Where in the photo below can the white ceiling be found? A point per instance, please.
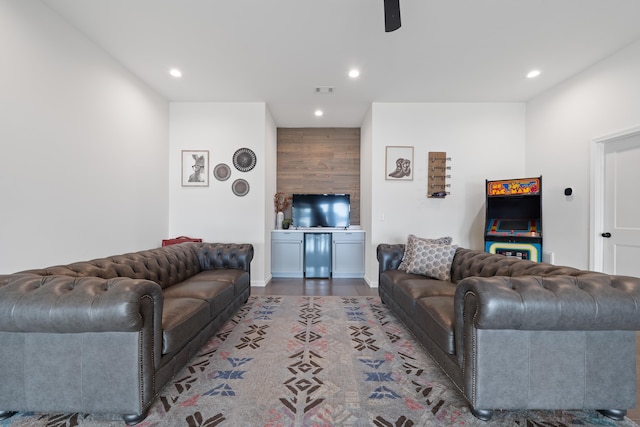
(278, 51)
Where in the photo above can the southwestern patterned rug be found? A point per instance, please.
(314, 361)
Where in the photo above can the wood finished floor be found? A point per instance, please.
(358, 287)
(316, 287)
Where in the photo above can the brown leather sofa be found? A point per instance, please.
(514, 334)
(104, 336)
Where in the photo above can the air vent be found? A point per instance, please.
(325, 90)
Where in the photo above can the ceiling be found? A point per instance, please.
(279, 51)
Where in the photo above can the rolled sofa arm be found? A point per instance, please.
(64, 304)
(225, 255)
(556, 303)
(389, 256)
(588, 302)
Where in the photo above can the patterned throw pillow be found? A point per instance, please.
(408, 249)
(432, 260)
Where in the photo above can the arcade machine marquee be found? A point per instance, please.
(514, 218)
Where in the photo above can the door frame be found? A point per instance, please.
(596, 221)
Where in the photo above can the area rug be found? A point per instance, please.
(314, 361)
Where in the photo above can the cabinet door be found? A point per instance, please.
(287, 254)
(348, 255)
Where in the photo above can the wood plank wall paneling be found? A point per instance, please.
(320, 160)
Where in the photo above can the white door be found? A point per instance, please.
(621, 210)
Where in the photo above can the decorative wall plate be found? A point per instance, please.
(244, 159)
(240, 187)
(222, 172)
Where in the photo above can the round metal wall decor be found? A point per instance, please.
(244, 159)
(222, 172)
(240, 187)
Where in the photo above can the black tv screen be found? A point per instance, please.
(321, 210)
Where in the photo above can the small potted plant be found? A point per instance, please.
(286, 223)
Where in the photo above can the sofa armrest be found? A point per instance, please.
(587, 302)
(64, 304)
(225, 255)
(506, 328)
(389, 256)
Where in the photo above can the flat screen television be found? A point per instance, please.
(321, 210)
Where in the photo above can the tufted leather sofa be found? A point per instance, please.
(514, 334)
(104, 336)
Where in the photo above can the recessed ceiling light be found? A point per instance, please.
(175, 72)
(533, 74)
(354, 73)
(318, 113)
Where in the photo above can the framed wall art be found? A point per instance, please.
(399, 163)
(195, 168)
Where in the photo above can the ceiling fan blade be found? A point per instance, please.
(391, 15)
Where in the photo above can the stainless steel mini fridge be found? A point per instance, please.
(317, 255)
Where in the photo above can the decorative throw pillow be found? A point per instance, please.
(432, 260)
(408, 248)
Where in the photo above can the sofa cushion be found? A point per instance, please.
(407, 258)
(239, 278)
(433, 260)
(182, 318)
(389, 280)
(435, 315)
(217, 294)
(408, 291)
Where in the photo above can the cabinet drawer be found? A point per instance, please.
(348, 237)
(290, 236)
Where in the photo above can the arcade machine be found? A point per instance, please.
(514, 218)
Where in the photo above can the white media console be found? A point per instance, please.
(347, 252)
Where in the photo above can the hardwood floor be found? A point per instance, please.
(316, 287)
(358, 287)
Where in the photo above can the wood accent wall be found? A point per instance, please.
(320, 160)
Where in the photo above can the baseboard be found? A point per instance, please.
(261, 283)
(371, 283)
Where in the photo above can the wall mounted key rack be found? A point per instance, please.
(437, 173)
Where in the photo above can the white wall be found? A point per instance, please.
(85, 171)
(215, 213)
(366, 220)
(484, 141)
(83, 154)
(561, 125)
(270, 180)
